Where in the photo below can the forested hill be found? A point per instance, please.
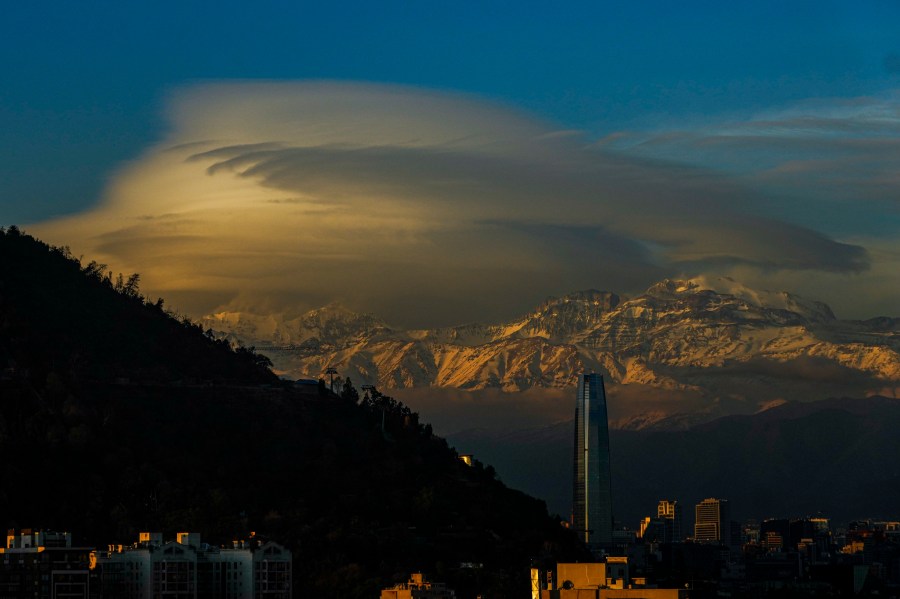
(359, 489)
(84, 325)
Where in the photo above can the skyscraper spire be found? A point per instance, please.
(592, 489)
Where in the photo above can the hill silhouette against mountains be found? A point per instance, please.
(82, 324)
(116, 417)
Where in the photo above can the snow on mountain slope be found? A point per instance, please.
(714, 336)
(330, 326)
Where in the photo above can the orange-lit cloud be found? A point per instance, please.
(428, 208)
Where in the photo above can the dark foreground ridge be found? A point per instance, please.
(116, 417)
(77, 323)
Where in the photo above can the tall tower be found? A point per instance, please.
(592, 489)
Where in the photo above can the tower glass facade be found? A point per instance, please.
(592, 489)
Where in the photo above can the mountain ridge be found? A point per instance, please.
(705, 335)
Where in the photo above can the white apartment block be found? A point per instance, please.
(186, 568)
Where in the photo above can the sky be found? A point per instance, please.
(438, 163)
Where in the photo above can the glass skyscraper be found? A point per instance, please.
(592, 492)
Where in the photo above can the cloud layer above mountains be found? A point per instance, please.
(432, 208)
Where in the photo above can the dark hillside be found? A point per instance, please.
(81, 325)
(362, 493)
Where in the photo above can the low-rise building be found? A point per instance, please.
(597, 580)
(417, 587)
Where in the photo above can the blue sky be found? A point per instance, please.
(88, 89)
(84, 80)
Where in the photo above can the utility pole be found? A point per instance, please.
(331, 371)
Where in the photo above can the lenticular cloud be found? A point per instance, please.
(426, 207)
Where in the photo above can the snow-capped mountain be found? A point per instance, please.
(711, 336)
(320, 329)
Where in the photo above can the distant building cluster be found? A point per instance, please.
(719, 556)
(799, 557)
(45, 565)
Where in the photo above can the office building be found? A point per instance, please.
(669, 513)
(665, 527)
(592, 493)
(713, 523)
(647, 529)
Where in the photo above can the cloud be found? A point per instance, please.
(828, 164)
(832, 149)
(428, 208)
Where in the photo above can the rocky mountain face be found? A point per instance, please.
(711, 338)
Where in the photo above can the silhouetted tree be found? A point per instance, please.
(349, 392)
(132, 285)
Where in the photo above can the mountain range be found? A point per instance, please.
(683, 351)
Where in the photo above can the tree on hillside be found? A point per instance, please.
(349, 392)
